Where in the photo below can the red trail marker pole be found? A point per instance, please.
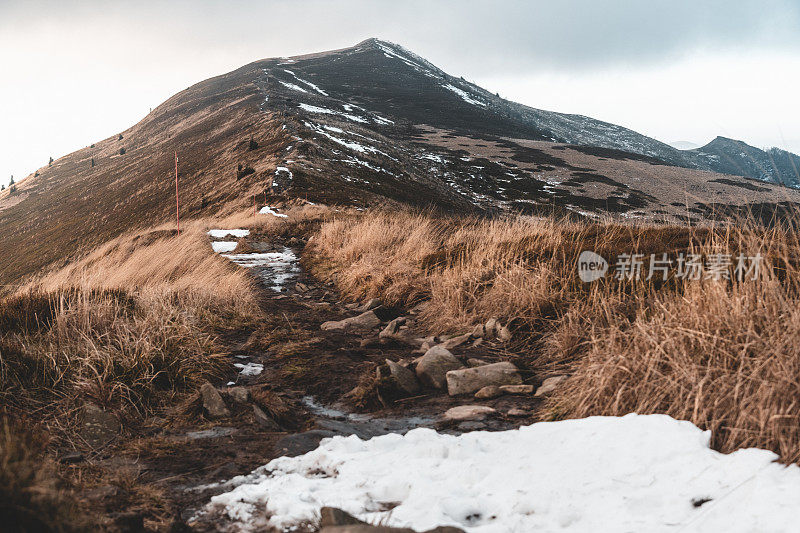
(177, 202)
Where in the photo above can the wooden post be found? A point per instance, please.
(177, 202)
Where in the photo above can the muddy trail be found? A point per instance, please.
(297, 381)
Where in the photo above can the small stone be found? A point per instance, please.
(71, 458)
(478, 331)
(515, 412)
(405, 379)
(301, 287)
(472, 361)
(503, 333)
(489, 328)
(366, 320)
(212, 402)
(263, 419)
(489, 392)
(370, 304)
(351, 306)
(470, 380)
(517, 389)
(468, 412)
(434, 365)
(454, 342)
(549, 385)
(392, 328)
(239, 394)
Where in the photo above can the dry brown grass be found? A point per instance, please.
(721, 354)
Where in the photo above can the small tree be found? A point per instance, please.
(122, 151)
(93, 162)
(50, 163)
(12, 181)
(120, 137)
(2, 187)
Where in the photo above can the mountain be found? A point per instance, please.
(366, 125)
(730, 156)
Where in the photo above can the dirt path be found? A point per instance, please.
(291, 391)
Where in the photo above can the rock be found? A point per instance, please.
(392, 328)
(213, 404)
(239, 394)
(300, 443)
(489, 392)
(517, 389)
(434, 365)
(453, 342)
(71, 458)
(366, 320)
(470, 380)
(301, 287)
(503, 333)
(351, 306)
(213, 433)
(264, 420)
(489, 328)
(331, 516)
(370, 304)
(476, 362)
(477, 342)
(478, 331)
(403, 377)
(343, 428)
(549, 385)
(468, 412)
(99, 427)
(515, 412)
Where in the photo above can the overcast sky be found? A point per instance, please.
(74, 72)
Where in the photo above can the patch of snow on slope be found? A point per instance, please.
(326, 111)
(352, 145)
(249, 369)
(222, 233)
(612, 474)
(267, 210)
(223, 247)
(464, 95)
(292, 86)
(308, 83)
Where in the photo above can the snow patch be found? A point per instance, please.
(249, 369)
(292, 86)
(612, 474)
(222, 233)
(267, 210)
(223, 247)
(464, 95)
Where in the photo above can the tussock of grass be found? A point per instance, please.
(721, 354)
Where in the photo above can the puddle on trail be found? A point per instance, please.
(275, 269)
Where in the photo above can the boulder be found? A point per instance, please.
(468, 412)
(503, 333)
(392, 328)
(366, 320)
(472, 361)
(470, 380)
(487, 393)
(549, 385)
(403, 377)
(489, 327)
(213, 404)
(370, 304)
(239, 394)
(517, 389)
(515, 412)
(434, 365)
(453, 342)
